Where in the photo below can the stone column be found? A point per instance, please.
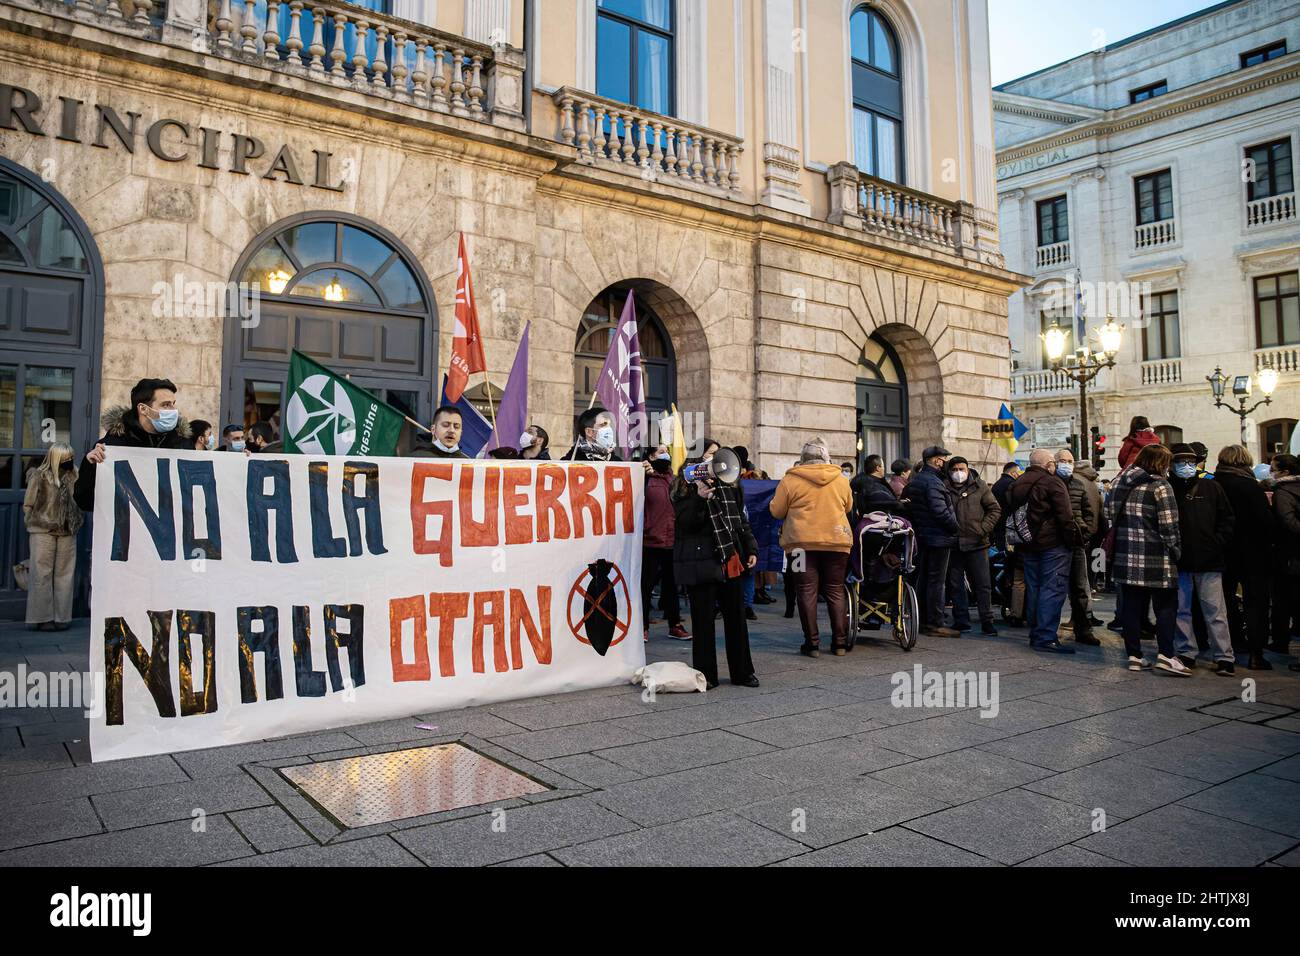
(187, 25)
(782, 156)
(845, 207)
(506, 88)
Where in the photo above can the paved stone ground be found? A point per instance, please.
(816, 767)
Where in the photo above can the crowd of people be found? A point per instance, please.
(1213, 555)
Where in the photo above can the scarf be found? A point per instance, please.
(726, 518)
(594, 450)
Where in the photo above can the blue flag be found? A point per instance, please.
(758, 498)
(475, 429)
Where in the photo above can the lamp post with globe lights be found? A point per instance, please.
(1241, 391)
(1083, 364)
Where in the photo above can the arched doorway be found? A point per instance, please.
(882, 403)
(1169, 434)
(658, 360)
(51, 327)
(344, 291)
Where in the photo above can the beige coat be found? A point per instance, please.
(48, 507)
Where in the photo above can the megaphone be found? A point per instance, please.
(723, 467)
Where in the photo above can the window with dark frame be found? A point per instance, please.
(1154, 197)
(1160, 338)
(635, 53)
(1053, 221)
(1145, 93)
(1263, 54)
(1277, 310)
(1269, 171)
(877, 73)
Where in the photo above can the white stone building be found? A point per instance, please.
(1160, 172)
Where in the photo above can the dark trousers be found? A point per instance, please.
(787, 579)
(657, 568)
(1080, 593)
(1136, 601)
(1047, 578)
(932, 582)
(1248, 613)
(972, 566)
(824, 573)
(1286, 608)
(704, 651)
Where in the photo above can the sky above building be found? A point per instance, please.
(1028, 35)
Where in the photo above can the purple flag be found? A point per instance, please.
(512, 416)
(620, 388)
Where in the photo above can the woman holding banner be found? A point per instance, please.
(712, 547)
(53, 520)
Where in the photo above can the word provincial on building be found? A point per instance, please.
(171, 140)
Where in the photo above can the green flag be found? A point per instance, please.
(328, 415)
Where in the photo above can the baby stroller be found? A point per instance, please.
(884, 548)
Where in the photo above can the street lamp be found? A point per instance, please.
(1083, 364)
(1241, 391)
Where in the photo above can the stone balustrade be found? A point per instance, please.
(1162, 372)
(1039, 382)
(888, 209)
(1271, 210)
(1055, 254)
(1285, 359)
(339, 44)
(655, 147)
(1152, 234)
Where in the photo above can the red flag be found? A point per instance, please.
(466, 343)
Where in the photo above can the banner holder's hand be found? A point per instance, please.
(98, 454)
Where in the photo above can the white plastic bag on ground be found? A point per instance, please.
(670, 677)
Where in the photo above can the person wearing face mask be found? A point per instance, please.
(201, 432)
(262, 440)
(150, 421)
(933, 514)
(1205, 525)
(1085, 504)
(232, 438)
(596, 439)
(978, 513)
(535, 444)
(445, 443)
(1286, 583)
(657, 546)
(52, 519)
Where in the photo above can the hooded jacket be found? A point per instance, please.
(659, 518)
(1254, 527)
(122, 427)
(932, 509)
(1205, 523)
(48, 505)
(814, 501)
(1128, 451)
(1051, 520)
(978, 513)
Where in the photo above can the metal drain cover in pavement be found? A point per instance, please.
(380, 788)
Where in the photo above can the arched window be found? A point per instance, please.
(1275, 436)
(1169, 434)
(343, 291)
(882, 403)
(635, 53)
(877, 95)
(658, 363)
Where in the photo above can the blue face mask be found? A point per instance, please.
(237, 445)
(1185, 469)
(1065, 470)
(605, 437)
(167, 419)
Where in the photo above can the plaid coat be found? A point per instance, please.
(1144, 512)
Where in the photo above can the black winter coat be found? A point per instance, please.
(122, 427)
(932, 509)
(873, 494)
(695, 553)
(1000, 489)
(1205, 523)
(1254, 528)
(1286, 509)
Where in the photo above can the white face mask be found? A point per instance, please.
(605, 437)
(526, 440)
(959, 477)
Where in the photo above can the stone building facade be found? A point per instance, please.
(335, 154)
(1162, 168)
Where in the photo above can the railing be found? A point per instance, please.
(1284, 358)
(1151, 234)
(1271, 210)
(1053, 255)
(1162, 372)
(345, 46)
(1041, 382)
(891, 210)
(650, 145)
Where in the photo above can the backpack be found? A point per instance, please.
(1018, 530)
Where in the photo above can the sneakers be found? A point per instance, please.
(678, 632)
(1225, 668)
(1188, 662)
(810, 650)
(1052, 647)
(1138, 664)
(1171, 666)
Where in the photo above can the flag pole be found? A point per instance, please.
(492, 412)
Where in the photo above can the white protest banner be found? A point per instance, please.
(237, 598)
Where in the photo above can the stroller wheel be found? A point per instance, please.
(908, 619)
